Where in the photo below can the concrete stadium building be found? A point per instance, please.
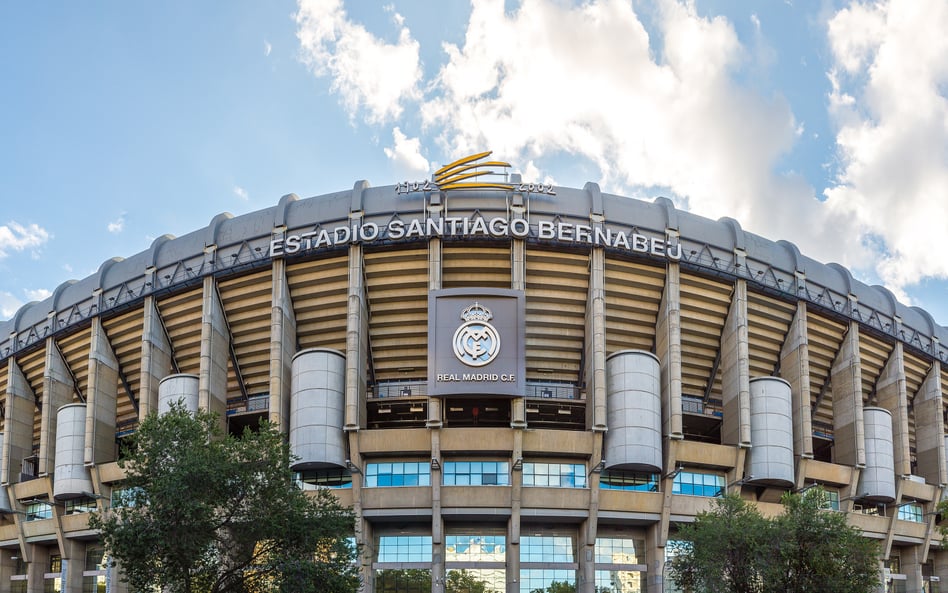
(523, 382)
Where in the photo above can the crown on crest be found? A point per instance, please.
(476, 312)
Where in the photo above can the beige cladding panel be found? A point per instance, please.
(215, 342)
(101, 399)
(18, 424)
(58, 390)
(847, 403)
(891, 395)
(156, 356)
(668, 349)
(735, 375)
(930, 429)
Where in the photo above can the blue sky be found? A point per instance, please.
(821, 123)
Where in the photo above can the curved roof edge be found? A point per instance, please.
(713, 245)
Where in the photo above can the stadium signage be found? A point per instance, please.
(474, 227)
(476, 342)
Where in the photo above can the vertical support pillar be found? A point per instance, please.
(282, 346)
(157, 357)
(846, 378)
(435, 278)
(595, 371)
(940, 565)
(668, 350)
(58, 387)
(891, 395)
(518, 281)
(36, 569)
(215, 352)
(930, 429)
(735, 371)
(17, 426)
(73, 564)
(102, 398)
(795, 369)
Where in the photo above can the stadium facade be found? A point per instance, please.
(510, 382)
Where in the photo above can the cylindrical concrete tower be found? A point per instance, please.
(317, 407)
(770, 459)
(634, 412)
(71, 478)
(182, 387)
(877, 480)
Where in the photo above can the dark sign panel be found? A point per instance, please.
(476, 342)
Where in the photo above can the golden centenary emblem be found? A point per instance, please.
(476, 342)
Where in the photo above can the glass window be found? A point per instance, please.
(555, 475)
(547, 548)
(404, 548)
(620, 550)
(125, 497)
(93, 584)
(694, 483)
(625, 480)
(398, 473)
(620, 581)
(547, 579)
(403, 580)
(96, 558)
(475, 548)
(323, 478)
(911, 512)
(487, 580)
(831, 500)
(476, 473)
(18, 586)
(80, 505)
(38, 510)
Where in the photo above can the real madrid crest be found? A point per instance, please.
(476, 341)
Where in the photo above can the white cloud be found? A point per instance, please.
(407, 157)
(8, 305)
(37, 294)
(117, 225)
(366, 72)
(267, 48)
(16, 237)
(663, 111)
(890, 108)
(241, 193)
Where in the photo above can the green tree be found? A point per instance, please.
(206, 512)
(807, 549)
(722, 551)
(816, 551)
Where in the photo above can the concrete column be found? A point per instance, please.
(215, 353)
(356, 340)
(36, 569)
(846, 379)
(74, 563)
(590, 529)
(891, 395)
(102, 397)
(668, 350)
(282, 347)
(435, 282)
(735, 371)
(58, 388)
(157, 357)
(795, 369)
(940, 564)
(912, 567)
(518, 281)
(930, 429)
(17, 426)
(595, 371)
(513, 528)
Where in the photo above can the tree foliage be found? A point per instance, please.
(806, 549)
(205, 512)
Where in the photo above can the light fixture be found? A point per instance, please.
(533, 410)
(453, 409)
(673, 474)
(805, 488)
(385, 410)
(564, 411)
(855, 497)
(416, 408)
(94, 496)
(518, 465)
(435, 464)
(598, 467)
(352, 467)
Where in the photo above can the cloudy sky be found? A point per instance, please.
(822, 123)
